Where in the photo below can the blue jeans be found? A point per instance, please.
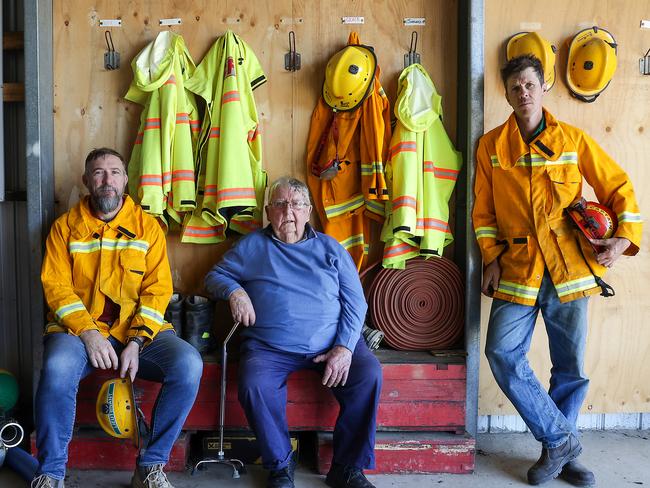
(168, 360)
(551, 416)
(263, 373)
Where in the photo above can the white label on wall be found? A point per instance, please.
(414, 20)
(645, 24)
(176, 21)
(352, 20)
(530, 26)
(110, 23)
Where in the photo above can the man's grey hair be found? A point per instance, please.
(292, 184)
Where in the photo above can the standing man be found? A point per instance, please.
(107, 283)
(298, 293)
(528, 171)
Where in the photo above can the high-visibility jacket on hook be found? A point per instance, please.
(231, 179)
(161, 169)
(421, 173)
(521, 192)
(355, 196)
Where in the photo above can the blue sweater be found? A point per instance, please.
(307, 296)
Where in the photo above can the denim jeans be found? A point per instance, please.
(551, 416)
(168, 360)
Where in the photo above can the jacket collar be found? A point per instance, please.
(549, 144)
(83, 223)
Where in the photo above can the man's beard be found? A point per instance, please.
(105, 203)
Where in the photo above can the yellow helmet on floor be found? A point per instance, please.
(591, 63)
(532, 43)
(116, 410)
(348, 77)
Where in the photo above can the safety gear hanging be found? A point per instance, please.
(591, 63)
(348, 77)
(117, 411)
(532, 43)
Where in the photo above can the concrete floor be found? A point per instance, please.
(619, 459)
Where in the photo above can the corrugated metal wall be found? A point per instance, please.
(15, 287)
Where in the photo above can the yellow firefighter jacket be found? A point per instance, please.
(421, 173)
(358, 191)
(161, 168)
(521, 191)
(125, 259)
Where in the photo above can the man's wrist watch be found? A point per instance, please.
(138, 340)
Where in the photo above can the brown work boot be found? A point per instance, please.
(578, 475)
(553, 460)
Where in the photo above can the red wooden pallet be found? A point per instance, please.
(424, 396)
(94, 449)
(411, 452)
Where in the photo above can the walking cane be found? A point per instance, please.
(235, 464)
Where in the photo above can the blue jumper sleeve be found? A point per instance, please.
(353, 303)
(226, 276)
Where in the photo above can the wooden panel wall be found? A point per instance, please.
(90, 111)
(619, 336)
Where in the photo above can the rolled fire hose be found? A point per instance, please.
(420, 307)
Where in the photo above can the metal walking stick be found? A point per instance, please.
(235, 464)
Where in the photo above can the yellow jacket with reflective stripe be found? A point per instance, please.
(358, 191)
(421, 173)
(521, 191)
(161, 168)
(125, 259)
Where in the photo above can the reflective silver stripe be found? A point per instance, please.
(152, 314)
(629, 217)
(483, 232)
(352, 241)
(575, 286)
(84, 246)
(66, 310)
(517, 290)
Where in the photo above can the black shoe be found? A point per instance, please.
(342, 476)
(578, 475)
(283, 478)
(553, 460)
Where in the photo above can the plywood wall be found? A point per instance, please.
(619, 336)
(90, 111)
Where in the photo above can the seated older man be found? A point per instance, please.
(299, 294)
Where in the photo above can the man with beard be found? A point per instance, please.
(107, 283)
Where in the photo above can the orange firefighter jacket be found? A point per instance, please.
(521, 191)
(358, 191)
(87, 260)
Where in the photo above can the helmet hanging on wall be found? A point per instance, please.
(591, 63)
(532, 43)
(348, 77)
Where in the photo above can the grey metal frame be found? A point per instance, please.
(2, 118)
(40, 152)
(471, 66)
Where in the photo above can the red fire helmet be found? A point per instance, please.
(596, 221)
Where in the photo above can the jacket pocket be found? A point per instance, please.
(517, 260)
(133, 268)
(564, 187)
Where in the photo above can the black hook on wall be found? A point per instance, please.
(292, 58)
(111, 56)
(412, 56)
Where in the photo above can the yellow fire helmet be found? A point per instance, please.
(117, 412)
(591, 63)
(532, 43)
(348, 77)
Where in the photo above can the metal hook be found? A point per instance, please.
(644, 64)
(110, 47)
(292, 58)
(412, 56)
(111, 57)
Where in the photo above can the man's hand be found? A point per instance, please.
(611, 249)
(337, 365)
(491, 277)
(99, 350)
(130, 359)
(241, 307)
